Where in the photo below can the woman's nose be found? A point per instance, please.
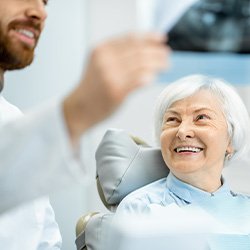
(36, 10)
(185, 131)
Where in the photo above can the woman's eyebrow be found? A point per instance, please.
(171, 111)
(196, 110)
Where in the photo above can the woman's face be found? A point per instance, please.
(194, 135)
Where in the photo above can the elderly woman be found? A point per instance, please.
(201, 125)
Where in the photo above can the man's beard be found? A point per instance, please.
(13, 56)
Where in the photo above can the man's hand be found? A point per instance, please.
(115, 68)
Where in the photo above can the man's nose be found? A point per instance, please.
(36, 10)
(185, 130)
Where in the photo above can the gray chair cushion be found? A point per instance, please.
(123, 166)
(97, 231)
(94, 234)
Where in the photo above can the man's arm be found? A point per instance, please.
(36, 150)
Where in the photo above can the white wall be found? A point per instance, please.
(110, 17)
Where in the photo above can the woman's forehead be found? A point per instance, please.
(202, 99)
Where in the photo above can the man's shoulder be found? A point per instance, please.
(9, 108)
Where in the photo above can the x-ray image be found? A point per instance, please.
(213, 25)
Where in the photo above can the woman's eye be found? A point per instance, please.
(171, 119)
(202, 117)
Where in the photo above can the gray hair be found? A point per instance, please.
(236, 114)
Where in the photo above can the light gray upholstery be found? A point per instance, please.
(82, 222)
(122, 166)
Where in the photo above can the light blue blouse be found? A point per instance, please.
(225, 206)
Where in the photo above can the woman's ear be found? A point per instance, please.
(230, 149)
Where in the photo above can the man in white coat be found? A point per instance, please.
(38, 151)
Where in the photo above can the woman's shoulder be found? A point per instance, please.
(151, 193)
(241, 196)
(153, 188)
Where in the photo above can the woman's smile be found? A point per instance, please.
(194, 134)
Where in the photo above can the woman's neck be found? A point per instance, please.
(207, 183)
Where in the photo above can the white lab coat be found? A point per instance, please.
(31, 226)
(35, 155)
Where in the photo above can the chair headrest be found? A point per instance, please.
(124, 166)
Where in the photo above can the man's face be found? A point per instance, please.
(21, 23)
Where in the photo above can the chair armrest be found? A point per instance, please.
(80, 230)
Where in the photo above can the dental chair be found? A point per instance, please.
(123, 164)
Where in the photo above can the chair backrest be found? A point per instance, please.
(123, 164)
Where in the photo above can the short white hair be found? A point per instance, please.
(236, 114)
